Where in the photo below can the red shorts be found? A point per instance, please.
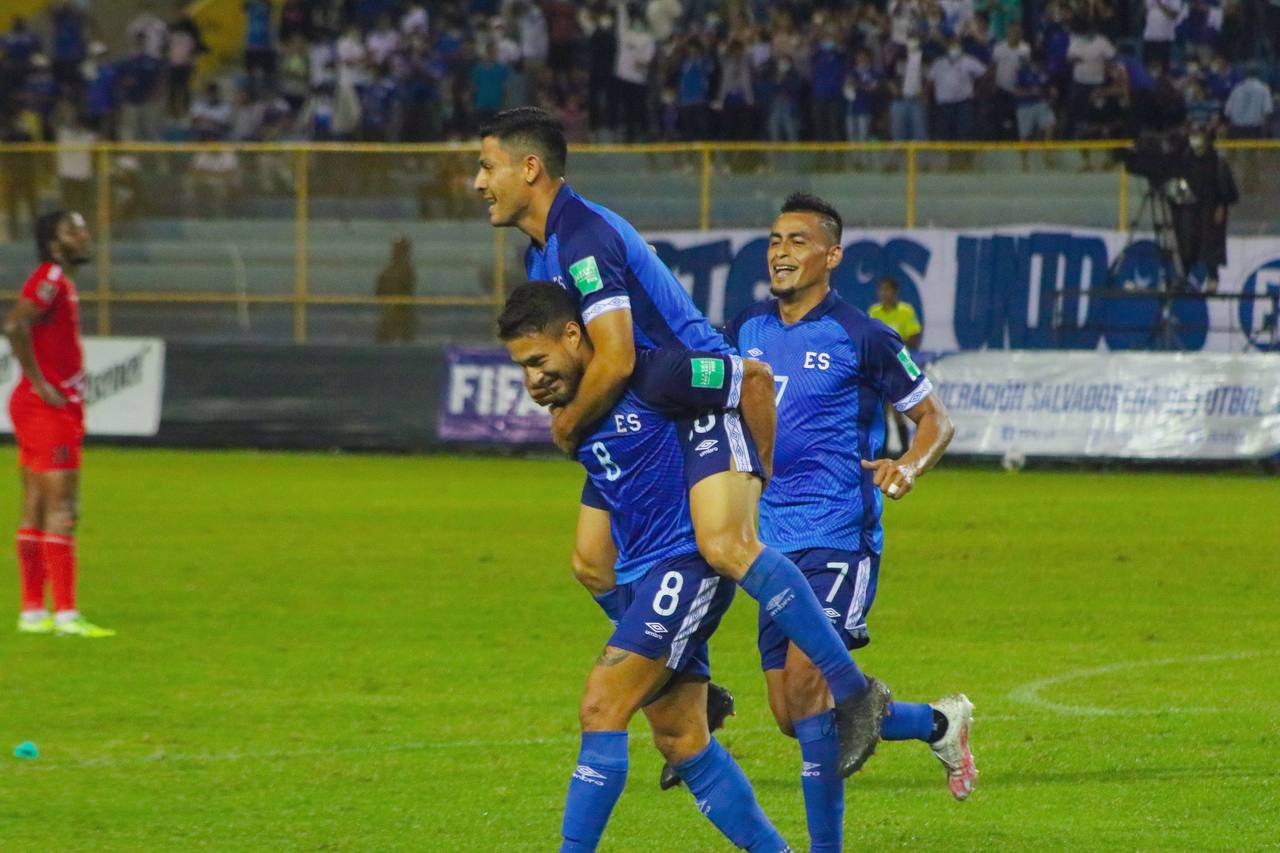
(49, 439)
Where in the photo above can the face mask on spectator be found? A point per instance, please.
(953, 52)
(1197, 143)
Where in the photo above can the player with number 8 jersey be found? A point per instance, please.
(670, 600)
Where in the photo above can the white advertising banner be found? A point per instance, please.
(123, 387)
(1124, 405)
(1017, 287)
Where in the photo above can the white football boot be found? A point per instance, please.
(952, 749)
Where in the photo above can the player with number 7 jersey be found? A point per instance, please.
(670, 600)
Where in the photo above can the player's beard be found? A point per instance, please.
(790, 293)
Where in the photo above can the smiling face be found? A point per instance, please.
(801, 254)
(553, 364)
(72, 244)
(505, 182)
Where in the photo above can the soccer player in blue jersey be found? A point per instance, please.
(669, 599)
(630, 302)
(835, 370)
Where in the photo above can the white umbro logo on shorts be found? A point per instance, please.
(833, 614)
(656, 626)
(755, 353)
(707, 446)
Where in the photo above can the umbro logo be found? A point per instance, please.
(831, 614)
(811, 769)
(706, 447)
(779, 602)
(755, 353)
(704, 806)
(588, 774)
(656, 626)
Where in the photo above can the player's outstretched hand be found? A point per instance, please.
(50, 394)
(892, 477)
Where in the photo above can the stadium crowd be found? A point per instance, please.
(640, 70)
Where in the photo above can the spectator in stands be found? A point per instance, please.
(534, 40)
(782, 92)
(735, 99)
(69, 45)
(861, 94)
(294, 21)
(907, 117)
(488, 80)
(1163, 17)
(246, 116)
(1008, 57)
(827, 70)
(952, 77)
(1033, 90)
(382, 42)
(19, 45)
(693, 90)
(18, 179)
(259, 44)
(101, 102)
(140, 110)
(148, 27)
(210, 114)
(185, 45)
(602, 54)
(1249, 106)
(635, 55)
(295, 72)
(1088, 52)
(398, 323)
(562, 35)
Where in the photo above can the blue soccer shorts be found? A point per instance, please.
(671, 612)
(845, 584)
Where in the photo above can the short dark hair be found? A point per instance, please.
(535, 128)
(809, 203)
(46, 232)
(535, 306)
(889, 280)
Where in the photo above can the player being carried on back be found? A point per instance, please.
(836, 369)
(47, 411)
(669, 600)
(629, 301)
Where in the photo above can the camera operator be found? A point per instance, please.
(1200, 215)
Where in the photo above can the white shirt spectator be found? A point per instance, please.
(953, 78)
(1161, 25)
(636, 49)
(381, 44)
(154, 33)
(1249, 104)
(415, 21)
(662, 16)
(904, 17)
(957, 13)
(912, 71)
(322, 60)
(1091, 54)
(352, 58)
(534, 41)
(209, 116)
(1007, 60)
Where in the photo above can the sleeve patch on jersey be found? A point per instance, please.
(904, 358)
(707, 373)
(586, 275)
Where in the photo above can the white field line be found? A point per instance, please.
(1029, 693)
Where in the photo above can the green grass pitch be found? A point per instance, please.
(375, 653)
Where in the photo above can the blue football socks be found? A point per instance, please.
(724, 795)
(907, 721)
(823, 788)
(593, 790)
(782, 590)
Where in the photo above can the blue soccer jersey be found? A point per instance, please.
(635, 467)
(834, 371)
(602, 260)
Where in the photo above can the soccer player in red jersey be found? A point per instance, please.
(47, 410)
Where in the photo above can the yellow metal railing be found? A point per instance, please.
(308, 164)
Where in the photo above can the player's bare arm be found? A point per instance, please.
(17, 328)
(896, 477)
(759, 409)
(603, 382)
(594, 552)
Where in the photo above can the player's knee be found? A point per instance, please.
(600, 713)
(781, 715)
(61, 518)
(678, 747)
(728, 552)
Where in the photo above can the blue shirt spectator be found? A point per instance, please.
(694, 85)
(828, 71)
(257, 33)
(488, 77)
(139, 77)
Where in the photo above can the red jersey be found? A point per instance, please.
(55, 338)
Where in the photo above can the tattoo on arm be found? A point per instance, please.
(612, 657)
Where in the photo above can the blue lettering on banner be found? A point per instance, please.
(1258, 316)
